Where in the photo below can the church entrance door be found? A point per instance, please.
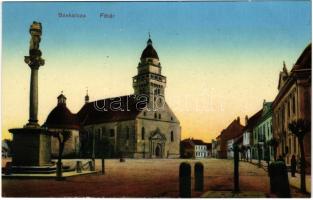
(158, 151)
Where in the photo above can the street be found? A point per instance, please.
(139, 178)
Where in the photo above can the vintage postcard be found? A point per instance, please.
(177, 99)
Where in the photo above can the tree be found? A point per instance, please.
(300, 128)
(10, 145)
(63, 136)
(274, 143)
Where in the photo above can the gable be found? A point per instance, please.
(283, 77)
(157, 135)
(166, 114)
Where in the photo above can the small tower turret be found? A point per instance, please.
(87, 97)
(61, 99)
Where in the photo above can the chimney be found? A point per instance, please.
(246, 120)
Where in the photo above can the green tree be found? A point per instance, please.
(63, 136)
(300, 128)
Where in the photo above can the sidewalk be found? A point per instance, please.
(293, 181)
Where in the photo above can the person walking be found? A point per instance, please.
(293, 165)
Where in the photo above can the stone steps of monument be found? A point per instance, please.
(35, 169)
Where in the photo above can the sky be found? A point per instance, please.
(221, 59)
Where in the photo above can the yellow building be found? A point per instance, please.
(293, 102)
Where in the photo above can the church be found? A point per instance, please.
(139, 125)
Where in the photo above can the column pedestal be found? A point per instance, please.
(31, 150)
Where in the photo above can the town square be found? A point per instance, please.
(181, 103)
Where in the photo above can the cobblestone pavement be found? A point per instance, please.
(139, 178)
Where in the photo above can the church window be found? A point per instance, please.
(171, 118)
(112, 133)
(172, 136)
(294, 104)
(159, 116)
(155, 115)
(97, 134)
(100, 133)
(142, 133)
(103, 131)
(127, 133)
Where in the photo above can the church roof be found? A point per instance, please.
(61, 117)
(149, 51)
(110, 110)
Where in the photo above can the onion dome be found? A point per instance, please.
(149, 51)
(61, 117)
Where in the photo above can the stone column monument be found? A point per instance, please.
(32, 143)
(34, 61)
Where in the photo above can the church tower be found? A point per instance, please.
(149, 80)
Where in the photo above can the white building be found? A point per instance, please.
(247, 141)
(230, 152)
(201, 151)
(196, 148)
(265, 132)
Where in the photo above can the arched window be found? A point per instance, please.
(127, 133)
(159, 116)
(155, 115)
(172, 136)
(143, 133)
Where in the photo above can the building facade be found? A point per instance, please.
(140, 125)
(263, 134)
(193, 148)
(214, 148)
(233, 130)
(62, 119)
(293, 102)
(248, 139)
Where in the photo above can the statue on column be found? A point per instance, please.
(34, 59)
(35, 32)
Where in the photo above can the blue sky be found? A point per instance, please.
(231, 48)
(221, 25)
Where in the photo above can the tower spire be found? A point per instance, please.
(149, 42)
(87, 96)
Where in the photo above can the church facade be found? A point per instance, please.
(140, 125)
